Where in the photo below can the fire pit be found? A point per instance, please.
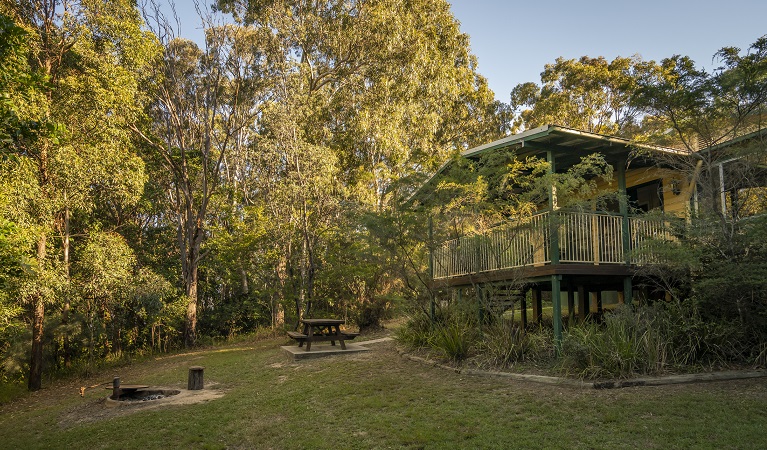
(145, 395)
(137, 392)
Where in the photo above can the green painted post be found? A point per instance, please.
(628, 291)
(624, 211)
(430, 224)
(553, 217)
(552, 190)
(556, 300)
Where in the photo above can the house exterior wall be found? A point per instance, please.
(673, 203)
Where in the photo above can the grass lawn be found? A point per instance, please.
(379, 400)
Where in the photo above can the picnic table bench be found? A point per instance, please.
(322, 330)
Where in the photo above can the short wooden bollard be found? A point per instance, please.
(195, 382)
(116, 392)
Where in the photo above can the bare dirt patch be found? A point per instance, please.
(103, 409)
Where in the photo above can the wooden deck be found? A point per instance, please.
(549, 243)
(589, 273)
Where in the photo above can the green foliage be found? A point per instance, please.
(653, 340)
(504, 344)
(702, 108)
(454, 340)
(453, 335)
(20, 91)
(588, 94)
(416, 332)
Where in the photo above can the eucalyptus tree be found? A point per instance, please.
(692, 109)
(590, 94)
(89, 55)
(102, 277)
(368, 93)
(696, 110)
(706, 108)
(205, 106)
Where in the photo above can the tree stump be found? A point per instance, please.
(195, 382)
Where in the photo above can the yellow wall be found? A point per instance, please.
(672, 203)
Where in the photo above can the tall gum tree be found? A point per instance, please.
(692, 109)
(717, 260)
(590, 94)
(368, 93)
(90, 54)
(205, 106)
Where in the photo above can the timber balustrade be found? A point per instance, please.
(583, 237)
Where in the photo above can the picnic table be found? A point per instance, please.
(322, 330)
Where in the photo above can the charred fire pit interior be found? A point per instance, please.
(138, 393)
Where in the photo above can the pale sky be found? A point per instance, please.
(513, 40)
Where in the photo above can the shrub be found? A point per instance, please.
(416, 332)
(505, 343)
(631, 341)
(454, 339)
(651, 340)
(370, 314)
(451, 333)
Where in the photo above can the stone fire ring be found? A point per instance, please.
(171, 396)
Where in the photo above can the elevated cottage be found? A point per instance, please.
(580, 259)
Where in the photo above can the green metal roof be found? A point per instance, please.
(568, 144)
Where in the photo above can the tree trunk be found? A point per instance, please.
(190, 330)
(65, 312)
(38, 318)
(244, 280)
(189, 250)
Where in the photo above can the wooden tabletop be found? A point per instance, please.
(323, 321)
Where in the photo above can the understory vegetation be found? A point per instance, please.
(656, 339)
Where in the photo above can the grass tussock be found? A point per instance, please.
(451, 335)
(651, 341)
(505, 344)
(639, 341)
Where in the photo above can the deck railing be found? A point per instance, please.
(582, 237)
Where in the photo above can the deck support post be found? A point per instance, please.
(523, 311)
(596, 302)
(628, 290)
(537, 305)
(583, 304)
(570, 302)
(556, 300)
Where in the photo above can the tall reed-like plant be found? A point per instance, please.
(652, 340)
(416, 332)
(454, 339)
(625, 345)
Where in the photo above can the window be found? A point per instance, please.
(646, 197)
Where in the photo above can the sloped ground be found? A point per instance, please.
(378, 399)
